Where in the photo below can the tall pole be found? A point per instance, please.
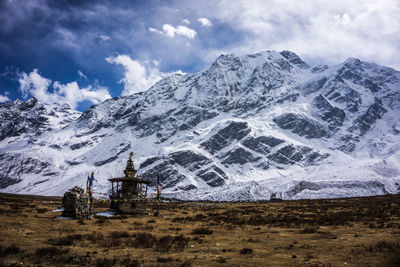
(158, 195)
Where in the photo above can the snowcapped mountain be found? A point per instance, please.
(258, 126)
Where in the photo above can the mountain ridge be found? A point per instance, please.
(249, 127)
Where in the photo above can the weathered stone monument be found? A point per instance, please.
(127, 194)
(75, 204)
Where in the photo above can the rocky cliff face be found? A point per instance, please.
(249, 127)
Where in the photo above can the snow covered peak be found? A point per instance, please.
(249, 127)
(294, 59)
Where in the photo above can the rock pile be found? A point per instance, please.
(75, 204)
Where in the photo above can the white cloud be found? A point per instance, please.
(186, 21)
(71, 93)
(33, 84)
(204, 22)
(171, 31)
(105, 37)
(4, 98)
(330, 31)
(138, 77)
(36, 85)
(82, 75)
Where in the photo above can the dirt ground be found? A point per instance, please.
(340, 232)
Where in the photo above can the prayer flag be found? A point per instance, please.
(159, 187)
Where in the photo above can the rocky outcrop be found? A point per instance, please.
(366, 120)
(235, 131)
(20, 166)
(76, 205)
(301, 125)
(295, 59)
(324, 110)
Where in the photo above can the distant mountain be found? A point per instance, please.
(258, 126)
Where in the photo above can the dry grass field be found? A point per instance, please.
(340, 232)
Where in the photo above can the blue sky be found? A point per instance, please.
(83, 52)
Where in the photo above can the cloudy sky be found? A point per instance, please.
(83, 52)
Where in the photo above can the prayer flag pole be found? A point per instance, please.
(158, 195)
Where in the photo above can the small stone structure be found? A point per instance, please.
(127, 194)
(75, 204)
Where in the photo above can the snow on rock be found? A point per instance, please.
(251, 127)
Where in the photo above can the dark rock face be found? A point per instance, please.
(189, 159)
(169, 176)
(338, 91)
(175, 120)
(371, 85)
(325, 111)
(79, 145)
(213, 176)
(148, 162)
(301, 125)
(102, 162)
(13, 172)
(193, 162)
(21, 117)
(295, 59)
(365, 121)
(313, 86)
(238, 156)
(286, 155)
(31, 118)
(319, 68)
(349, 142)
(234, 131)
(262, 144)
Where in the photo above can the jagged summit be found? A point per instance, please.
(248, 127)
(295, 59)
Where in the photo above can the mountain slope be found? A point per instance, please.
(249, 127)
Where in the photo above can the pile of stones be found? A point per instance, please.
(76, 205)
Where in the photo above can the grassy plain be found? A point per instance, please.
(339, 232)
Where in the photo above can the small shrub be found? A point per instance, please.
(41, 210)
(119, 234)
(144, 240)
(166, 243)
(180, 242)
(128, 262)
(197, 239)
(65, 240)
(202, 231)
(381, 246)
(164, 260)
(102, 220)
(186, 264)
(221, 260)
(246, 251)
(50, 251)
(309, 229)
(151, 221)
(105, 262)
(5, 251)
(95, 238)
